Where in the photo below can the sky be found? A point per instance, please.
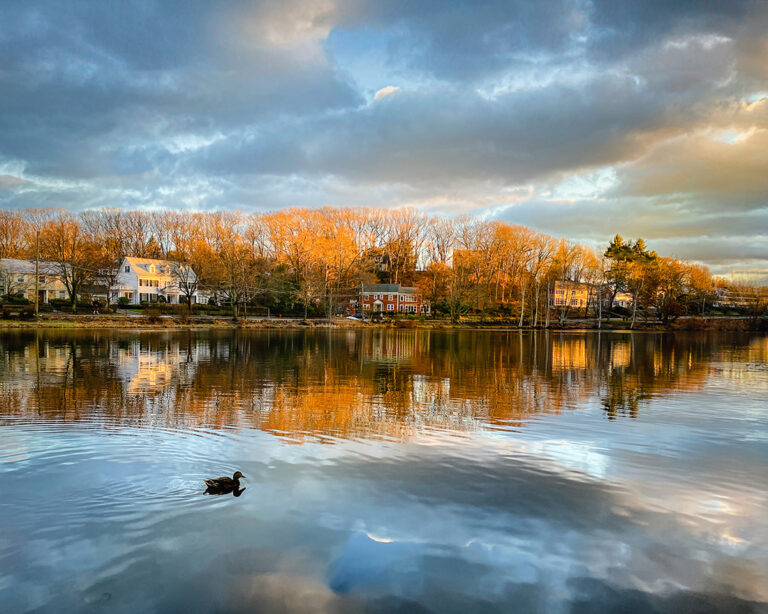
(579, 118)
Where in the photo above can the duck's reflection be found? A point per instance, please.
(235, 492)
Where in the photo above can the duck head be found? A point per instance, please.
(237, 476)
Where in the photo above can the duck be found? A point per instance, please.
(224, 484)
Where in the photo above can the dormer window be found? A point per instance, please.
(127, 268)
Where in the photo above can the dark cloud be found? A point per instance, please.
(488, 103)
(93, 89)
(622, 27)
(471, 39)
(446, 135)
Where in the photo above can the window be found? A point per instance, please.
(391, 297)
(574, 302)
(390, 307)
(127, 268)
(41, 279)
(20, 278)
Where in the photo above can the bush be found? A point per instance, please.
(123, 301)
(15, 299)
(60, 303)
(27, 312)
(182, 314)
(65, 304)
(622, 312)
(152, 315)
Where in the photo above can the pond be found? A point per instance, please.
(386, 471)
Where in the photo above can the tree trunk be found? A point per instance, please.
(634, 310)
(522, 308)
(600, 307)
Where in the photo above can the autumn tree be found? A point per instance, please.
(106, 230)
(13, 231)
(64, 241)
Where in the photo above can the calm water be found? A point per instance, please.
(387, 471)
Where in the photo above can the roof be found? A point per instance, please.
(163, 268)
(27, 267)
(94, 289)
(389, 288)
(381, 288)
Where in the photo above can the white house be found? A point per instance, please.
(148, 280)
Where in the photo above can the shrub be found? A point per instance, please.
(405, 324)
(152, 315)
(622, 312)
(123, 301)
(61, 304)
(15, 299)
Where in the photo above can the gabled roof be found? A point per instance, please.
(381, 288)
(27, 267)
(163, 269)
(389, 288)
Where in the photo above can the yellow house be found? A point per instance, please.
(572, 294)
(18, 277)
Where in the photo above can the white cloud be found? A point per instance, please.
(388, 90)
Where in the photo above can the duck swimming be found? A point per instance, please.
(224, 484)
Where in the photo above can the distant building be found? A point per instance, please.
(18, 277)
(146, 280)
(573, 294)
(622, 299)
(739, 298)
(392, 298)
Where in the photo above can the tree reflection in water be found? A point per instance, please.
(325, 384)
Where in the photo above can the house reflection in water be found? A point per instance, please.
(147, 369)
(322, 385)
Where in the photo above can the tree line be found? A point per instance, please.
(316, 260)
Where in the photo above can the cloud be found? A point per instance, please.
(614, 115)
(389, 90)
(91, 91)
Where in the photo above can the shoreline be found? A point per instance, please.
(121, 322)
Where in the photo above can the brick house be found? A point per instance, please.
(392, 298)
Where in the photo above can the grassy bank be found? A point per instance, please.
(198, 322)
